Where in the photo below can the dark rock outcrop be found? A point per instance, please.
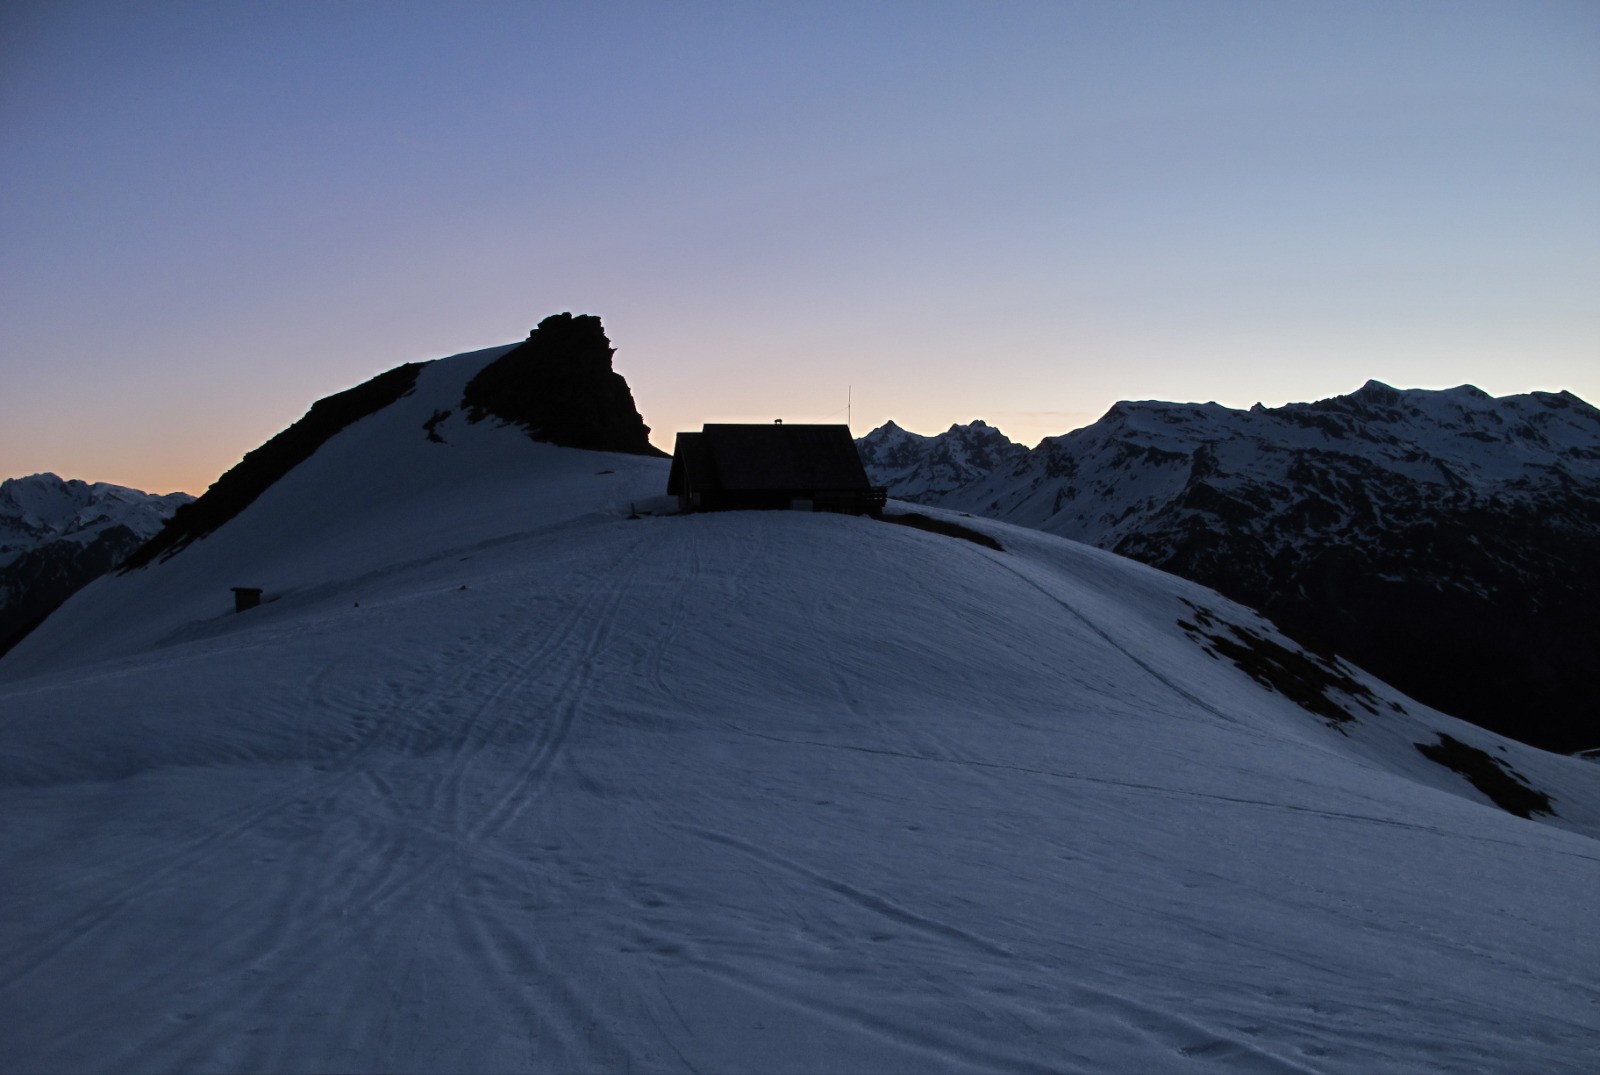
(39, 580)
(559, 386)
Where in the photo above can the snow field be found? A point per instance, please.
(504, 780)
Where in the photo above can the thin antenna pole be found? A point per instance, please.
(848, 394)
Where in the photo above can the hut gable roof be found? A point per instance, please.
(744, 458)
(691, 464)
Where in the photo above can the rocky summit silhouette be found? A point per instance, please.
(560, 387)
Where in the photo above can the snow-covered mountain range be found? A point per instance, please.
(57, 535)
(504, 775)
(923, 469)
(1443, 539)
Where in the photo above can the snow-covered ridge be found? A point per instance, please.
(43, 508)
(924, 468)
(1458, 440)
(1430, 534)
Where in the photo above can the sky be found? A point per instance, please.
(213, 214)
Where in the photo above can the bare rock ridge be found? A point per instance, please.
(559, 386)
(239, 487)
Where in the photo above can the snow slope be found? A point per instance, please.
(500, 778)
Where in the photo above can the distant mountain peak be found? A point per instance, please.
(46, 507)
(59, 534)
(924, 468)
(888, 429)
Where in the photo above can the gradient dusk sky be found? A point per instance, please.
(211, 214)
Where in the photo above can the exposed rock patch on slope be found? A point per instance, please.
(923, 469)
(1443, 540)
(1317, 682)
(1327, 688)
(1503, 785)
(560, 387)
(57, 536)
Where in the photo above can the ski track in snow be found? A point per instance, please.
(429, 845)
(1132, 657)
(871, 902)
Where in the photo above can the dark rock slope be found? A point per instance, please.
(1446, 541)
(560, 387)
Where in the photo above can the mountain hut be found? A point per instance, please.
(728, 467)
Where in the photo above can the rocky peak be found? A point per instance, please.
(559, 386)
(42, 508)
(923, 468)
(1375, 391)
(886, 434)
